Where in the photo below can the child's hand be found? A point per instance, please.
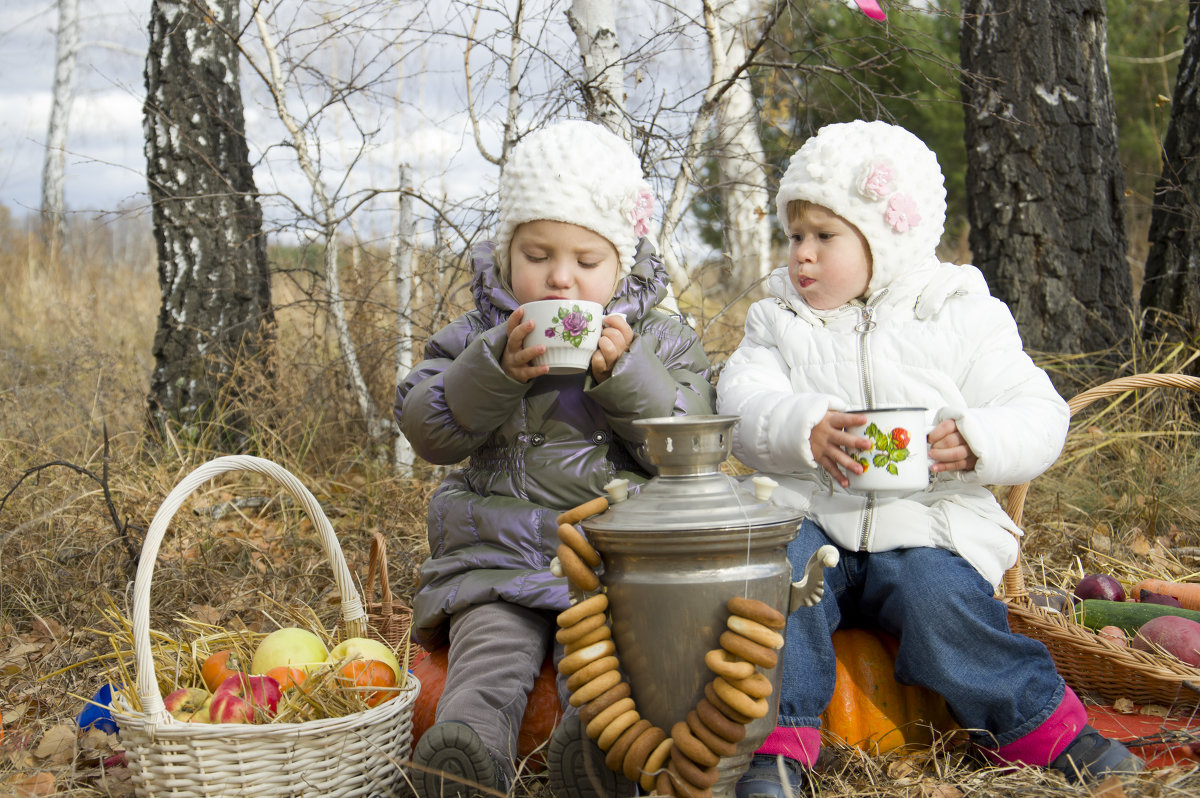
(829, 437)
(514, 360)
(615, 339)
(949, 450)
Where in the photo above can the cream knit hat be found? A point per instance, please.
(576, 172)
(880, 178)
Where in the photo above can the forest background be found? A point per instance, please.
(85, 459)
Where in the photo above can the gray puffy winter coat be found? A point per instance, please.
(534, 449)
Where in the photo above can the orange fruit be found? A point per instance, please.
(218, 667)
(288, 676)
(362, 675)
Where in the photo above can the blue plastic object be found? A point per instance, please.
(97, 713)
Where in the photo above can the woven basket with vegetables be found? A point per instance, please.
(241, 748)
(1088, 660)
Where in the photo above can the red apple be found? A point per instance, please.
(244, 699)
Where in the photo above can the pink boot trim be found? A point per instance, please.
(1042, 745)
(801, 743)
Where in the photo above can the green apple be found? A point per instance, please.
(366, 649)
(289, 646)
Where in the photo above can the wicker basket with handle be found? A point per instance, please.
(1087, 661)
(356, 755)
(389, 620)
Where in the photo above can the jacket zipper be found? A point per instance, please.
(864, 328)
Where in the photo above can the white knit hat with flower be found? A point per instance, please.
(576, 172)
(880, 178)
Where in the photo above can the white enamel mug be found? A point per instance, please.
(898, 460)
(569, 329)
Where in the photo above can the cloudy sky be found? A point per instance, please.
(420, 119)
(103, 168)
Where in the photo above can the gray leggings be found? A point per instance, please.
(496, 653)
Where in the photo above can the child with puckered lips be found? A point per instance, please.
(866, 316)
(573, 212)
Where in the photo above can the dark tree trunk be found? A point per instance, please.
(1044, 183)
(215, 324)
(1171, 291)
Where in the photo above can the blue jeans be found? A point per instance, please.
(953, 633)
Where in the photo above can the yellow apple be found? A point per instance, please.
(288, 646)
(362, 648)
(185, 702)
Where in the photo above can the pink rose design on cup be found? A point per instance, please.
(571, 325)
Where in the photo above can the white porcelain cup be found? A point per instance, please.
(898, 460)
(569, 329)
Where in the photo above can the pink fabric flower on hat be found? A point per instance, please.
(877, 180)
(902, 213)
(643, 209)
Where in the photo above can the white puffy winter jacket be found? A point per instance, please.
(934, 338)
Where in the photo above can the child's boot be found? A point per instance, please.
(766, 777)
(577, 768)
(451, 761)
(1093, 757)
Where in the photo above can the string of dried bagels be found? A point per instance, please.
(684, 762)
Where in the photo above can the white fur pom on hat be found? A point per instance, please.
(880, 178)
(580, 173)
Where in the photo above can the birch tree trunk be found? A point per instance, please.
(54, 206)
(216, 317)
(1044, 184)
(739, 153)
(595, 26)
(1172, 282)
(403, 249)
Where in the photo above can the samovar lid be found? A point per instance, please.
(690, 492)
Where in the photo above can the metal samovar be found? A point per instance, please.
(675, 553)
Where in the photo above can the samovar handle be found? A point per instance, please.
(808, 591)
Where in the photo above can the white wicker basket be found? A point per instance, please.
(356, 755)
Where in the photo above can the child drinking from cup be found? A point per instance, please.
(865, 316)
(573, 213)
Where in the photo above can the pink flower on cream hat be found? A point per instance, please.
(643, 209)
(902, 213)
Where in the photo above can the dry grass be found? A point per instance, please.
(75, 343)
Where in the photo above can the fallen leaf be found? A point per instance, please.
(1155, 710)
(1139, 545)
(205, 613)
(48, 629)
(57, 745)
(1124, 706)
(902, 772)
(931, 789)
(32, 785)
(1109, 788)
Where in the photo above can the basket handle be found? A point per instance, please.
(353, 615)
(377, 560)
(1014, 580)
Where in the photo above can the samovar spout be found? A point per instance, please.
(809, 590)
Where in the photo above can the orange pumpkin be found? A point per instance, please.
(365, 675)
(542, 712)
(218, 667)
(870, 709)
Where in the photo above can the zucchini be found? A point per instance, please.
(1129, 615)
